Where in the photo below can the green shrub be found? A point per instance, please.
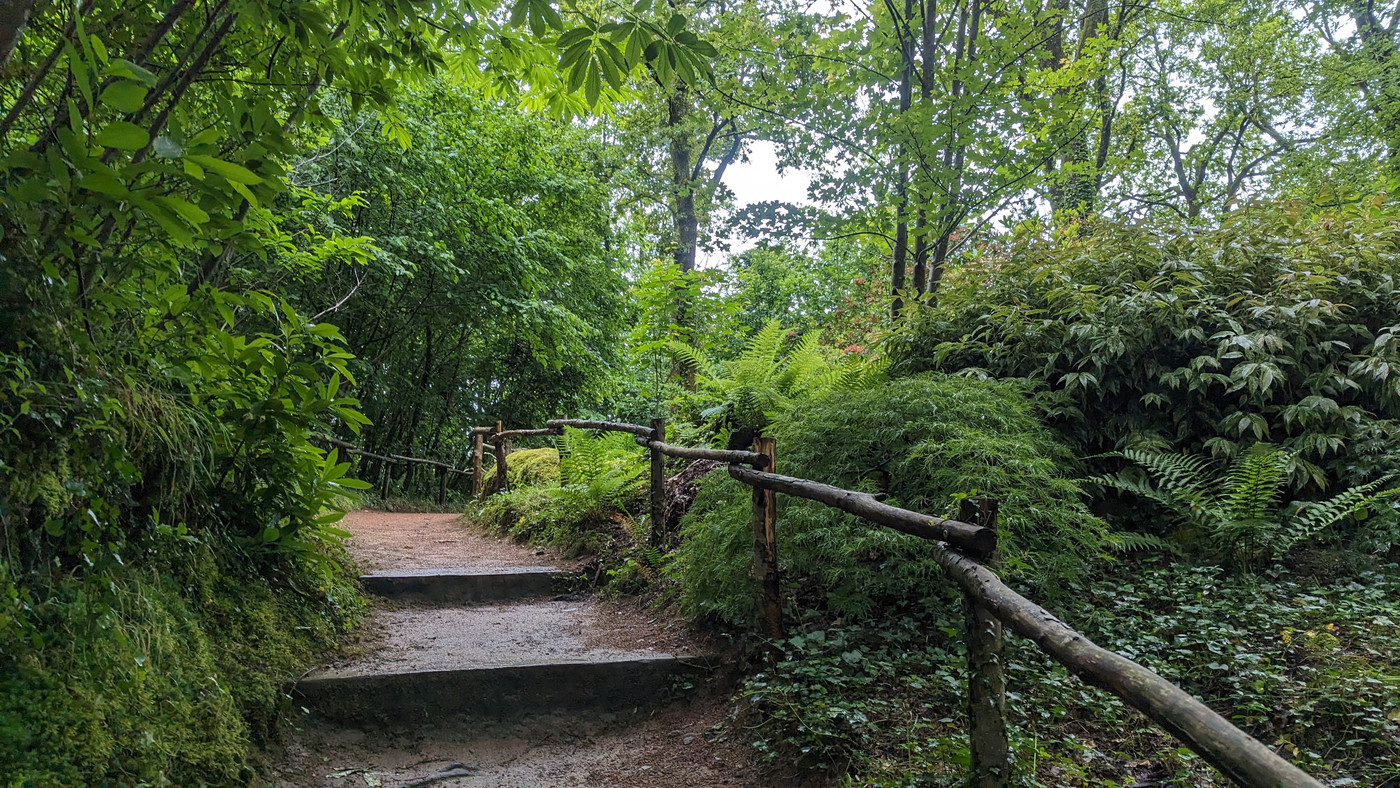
(144, 675)
(1280, 325)
(923, 441)
(526, 468)
(1310, 667)
(587, 513)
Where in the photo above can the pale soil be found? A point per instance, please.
(383, 541)
(668, 746)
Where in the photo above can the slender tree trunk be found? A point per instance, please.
(14, 17)
(687, 224)
(904, 29)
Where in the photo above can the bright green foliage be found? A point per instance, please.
(924, 441)
(492, 294)
(525, 468)
(1236, 513)
(837, 291)
(741, 397)
(1280, 326)
(587, 514)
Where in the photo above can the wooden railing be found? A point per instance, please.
(966, 548)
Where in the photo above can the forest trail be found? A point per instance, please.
(480, 666)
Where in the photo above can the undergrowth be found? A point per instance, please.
(585, 508)
(168, 670)
(1310, 667)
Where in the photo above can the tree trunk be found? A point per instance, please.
(687, 224)
(905, 31)
(14, 17)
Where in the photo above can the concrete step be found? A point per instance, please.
(491, 662)
(494, 693)
(464, 586)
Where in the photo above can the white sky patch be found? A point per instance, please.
(754, 181)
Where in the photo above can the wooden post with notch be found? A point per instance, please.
(765, 549)
(986, 673)
(658, 484)
(478, 445)
(501, 449)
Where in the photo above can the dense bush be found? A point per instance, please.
(525, 468)
(168, 670)
(923, 441)
(1278, 325)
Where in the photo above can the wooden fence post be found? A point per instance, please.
(658, 484)
(442, 485)
(501, 449)
(765, 549)
(384, 485)
(986, 674)
(478, 445)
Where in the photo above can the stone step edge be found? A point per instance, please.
(495, 692)
(456, 586)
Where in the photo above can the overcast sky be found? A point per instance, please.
(757, 180)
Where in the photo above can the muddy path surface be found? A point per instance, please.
(675, 743)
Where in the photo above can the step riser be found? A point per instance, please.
(457, 589)
(492, 693)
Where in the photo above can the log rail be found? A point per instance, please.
(966, 549)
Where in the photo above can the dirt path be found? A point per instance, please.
(672, 745)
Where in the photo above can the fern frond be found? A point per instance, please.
(1254, 482)
(1177, 472)
(1312, 519)
(693, 358)
(760, 357)
(1128, 542)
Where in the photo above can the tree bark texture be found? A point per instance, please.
(986, 675)
(14, 17)
(765, 551)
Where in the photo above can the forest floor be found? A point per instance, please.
(671, 745)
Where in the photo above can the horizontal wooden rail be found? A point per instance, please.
(974, 539)
(716, 455)
(1235, 753)
(527, 433)
(609, 426)
(435, 463)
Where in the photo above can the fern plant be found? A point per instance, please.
(747, 393)
(599, 472)
(1238, 510)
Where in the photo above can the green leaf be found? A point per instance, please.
(123, 135)
(124, 96)
(593, 84)
(675, 24)
(186, 210)
(104, 183)
(235, 173)
(129, 70)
